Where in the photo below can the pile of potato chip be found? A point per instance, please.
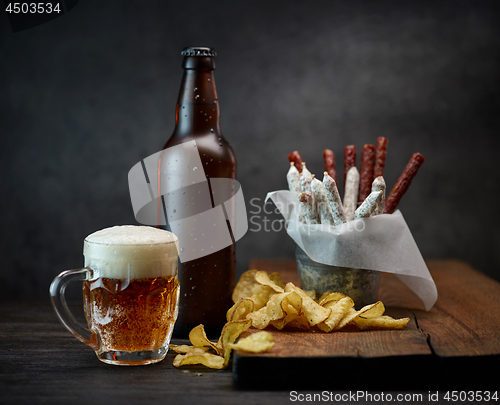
(268, 301)
(217, 355)
(262, 299)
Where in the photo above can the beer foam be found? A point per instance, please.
(131, 252)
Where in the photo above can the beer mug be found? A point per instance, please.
(130, 294)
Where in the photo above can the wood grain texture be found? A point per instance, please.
(462, 330)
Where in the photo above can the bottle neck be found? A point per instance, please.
(197, 111)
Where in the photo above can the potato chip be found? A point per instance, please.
(300, 322)
(261, 295)
(276, 278)
(381, 322)
(231, 332)
(313, 311)
(311, 294)
(338, 309)
(240, 310)
(329, 297)
(183, 349)
(244, 286)
(263, 278)
(372, 310)
(256, 343)
(260, 319)
(206, 359)
(368, 311)
(198, 338)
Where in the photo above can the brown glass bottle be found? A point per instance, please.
(206, 283)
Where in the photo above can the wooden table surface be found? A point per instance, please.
(457, 342)
(40, 362)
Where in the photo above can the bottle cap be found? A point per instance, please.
(198, 51)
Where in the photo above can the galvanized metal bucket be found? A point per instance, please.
(361, 285)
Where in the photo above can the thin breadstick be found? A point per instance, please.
(351, 193)
(379, 185)
(333, 199)
(322, 207)
(368, 205)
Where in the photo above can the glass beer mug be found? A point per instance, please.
(130, 294)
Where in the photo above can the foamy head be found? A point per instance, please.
(131, 252)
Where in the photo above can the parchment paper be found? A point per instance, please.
(383, 243)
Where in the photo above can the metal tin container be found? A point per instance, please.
(361, 285)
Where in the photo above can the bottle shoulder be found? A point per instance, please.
(216, 154)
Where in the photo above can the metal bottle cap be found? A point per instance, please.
(198, 51)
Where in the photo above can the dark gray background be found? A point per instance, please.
(86, 96)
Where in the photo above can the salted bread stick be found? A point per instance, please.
(349, 160)
(366, 172)
(379, 185)
(330, 165)
(369, 205)
(351, 193)
(296, 159)
(380, 155)
(403, 183)
(306, 199)
(322, 207)
(293, 179)
(333, 199)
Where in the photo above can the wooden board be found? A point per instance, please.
(460, 333)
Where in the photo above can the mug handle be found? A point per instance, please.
(58, 299)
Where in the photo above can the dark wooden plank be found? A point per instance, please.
(466, 318)
(349, 343)
(462, 329)
(42, 363)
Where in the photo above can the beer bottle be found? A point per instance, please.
(206, 283)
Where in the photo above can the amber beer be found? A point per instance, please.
(131, 299)
(131, 315)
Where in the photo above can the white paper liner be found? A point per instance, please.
(383, 243)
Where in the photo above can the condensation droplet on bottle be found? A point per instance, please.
(194, 168)
(211, 130)
(196, 88)
(197, 96)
